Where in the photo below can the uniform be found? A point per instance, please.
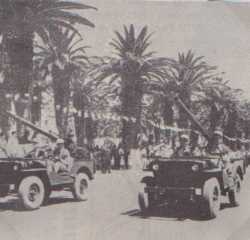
(225, 154)
(65, 161)
(182, 151)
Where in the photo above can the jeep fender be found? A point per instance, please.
(87, 171)
(148, 180)
(42, 174)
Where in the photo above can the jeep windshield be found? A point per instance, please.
(210, 162)
(189, 158)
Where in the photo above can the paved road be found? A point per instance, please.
(112, 213)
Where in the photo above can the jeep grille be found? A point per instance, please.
(177, 174)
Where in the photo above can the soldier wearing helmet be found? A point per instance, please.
(63, 159)
(184, 149)
(217, 146)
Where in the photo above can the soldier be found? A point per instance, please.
(105, 159)
(64, 161)
(69, 142)
(218, 147)
(197, 148)
(184, 149)
(126, 156)
(25, 138)
(247, 147)
(164, 149)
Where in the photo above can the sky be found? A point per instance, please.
(219, 31)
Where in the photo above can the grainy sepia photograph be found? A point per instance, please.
(125, 120)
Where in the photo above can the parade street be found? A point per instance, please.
(112, 213)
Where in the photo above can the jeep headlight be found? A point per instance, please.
(155, 167)
(15, 167)
(195, 168)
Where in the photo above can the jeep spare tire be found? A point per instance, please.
(233, 194)
(212, 197)
(31, 192)
(80, 188)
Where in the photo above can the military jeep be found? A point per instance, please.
(198, 180)
(30, 179)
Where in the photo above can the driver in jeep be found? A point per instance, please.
(64, 161)
(184, 149)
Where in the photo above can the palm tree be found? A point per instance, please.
(89, 97)
(131, 69)
(62, 58)
(222, 103)
(20, 21)
(184, 77)
(39, 85)
(5, 98)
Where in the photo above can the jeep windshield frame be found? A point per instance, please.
(186, 158)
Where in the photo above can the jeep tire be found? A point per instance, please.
(31, 192)
(233, 194)
(80, 187)
(212, 198)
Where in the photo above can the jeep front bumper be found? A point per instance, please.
(189, 193)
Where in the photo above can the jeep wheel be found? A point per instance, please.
(212, 196)
(233, 194)
(80, 188)
(31, 192)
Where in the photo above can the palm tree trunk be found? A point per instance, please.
(231, 128)
(4, 106)
(79, 119)
(89, 130)
(216, 118)
(184, 121)
(79, 127)
(61, 90)
(5, 89)
(19, 48)
(168, 116)
(131, 101)
(36, 104)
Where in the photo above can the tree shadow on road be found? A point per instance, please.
(173, 213)
(162, 214)
(14, 204)
(61, 200)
